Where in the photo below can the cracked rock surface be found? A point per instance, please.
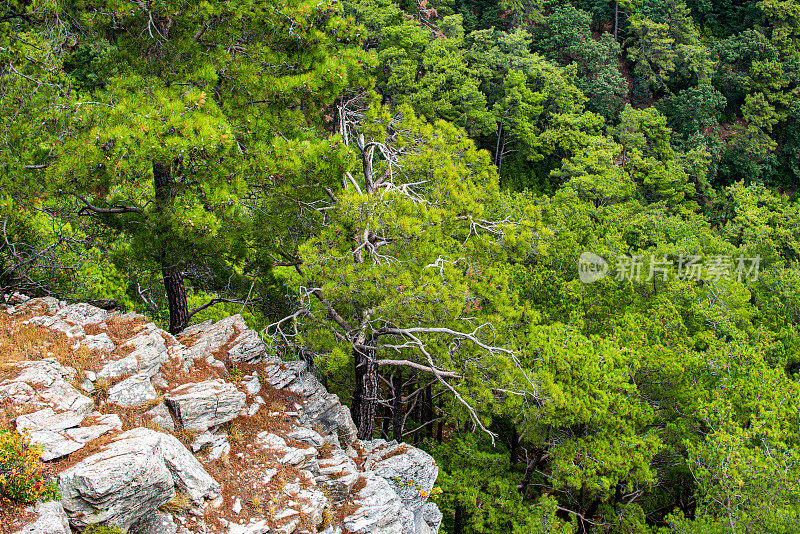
(157, 434)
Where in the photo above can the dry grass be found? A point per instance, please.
(235, 434)
(327, 519)
(255, 502)
(402, 449)
(20, 342)
(222, 351)
(13, 516)
(178, 504)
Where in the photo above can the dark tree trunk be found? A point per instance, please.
(458, 523)
(176, 297)
(419, 416)
(169, 256)
(386, 422)
(440, 424)
(429, 410)
(514, 447)
(397, 407)
(616, 22)
(365, 395)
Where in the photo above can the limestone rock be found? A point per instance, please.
(155, 522)
(99, 342)
(217, 444)
(47, 419)
(82, 314)
(68, 328)
(51, 520)
(160, 415)
(187, 472)
(408, 469)
(429, 516)
(119, 485)
(133, 391)
(285, 453)
(337, 474)
(149, 352)
(380, 510)
(252, 384)
(49, 305)
(54, 444)
(307, 435)
(205, 404)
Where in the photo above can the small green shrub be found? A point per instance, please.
(20, 470)
(102, 529)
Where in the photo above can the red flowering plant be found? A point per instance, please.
(20, 470)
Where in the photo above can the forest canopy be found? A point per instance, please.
(555, 244)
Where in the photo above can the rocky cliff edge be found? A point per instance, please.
(205, 432)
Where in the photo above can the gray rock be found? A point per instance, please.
(82, 314)
(51, 520)
(150, 351)
(133, 391)
(119, 485)
(54, 444)
(187, 472)
(285, 453)
(380, 510)
(155, 522)
(254, 527)
(431, 516)
(68, 328)
(99, 342)
(252, 384)
(50, 304)
(160, 415)
(208, 338)
(306, 435)
(47, 419)
(88, 433)
(217, 443)
(249, 348)
(321, 409)
(87, 386)
(62, 396)
(205, 404)
(337, 474)
(44, 372)
(43, 383)
(412, 466)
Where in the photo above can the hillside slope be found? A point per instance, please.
(206, 432)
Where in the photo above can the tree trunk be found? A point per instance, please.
(458, 523)
(176, 297)
(419, 415)
(429, 415)
(514, 447)
(365, 395)
(386, 422)
(397, 407)
(169, 255)
(616, 22)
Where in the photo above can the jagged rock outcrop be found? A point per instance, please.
(51, 520)
(204, 432)
(205, 404)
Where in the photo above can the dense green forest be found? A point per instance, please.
(399, 193)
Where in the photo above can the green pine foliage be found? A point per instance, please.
(399, 193)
